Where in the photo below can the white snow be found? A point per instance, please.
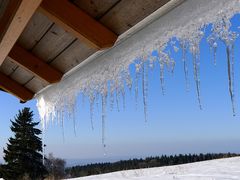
(108, 74)
(221, 169)
(184, 23)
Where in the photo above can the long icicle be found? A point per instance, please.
(196, 77)
(92, 111)
(136, 89)
(43, 143)
(162, 77)
(144, 89)
(62, 126)
(184, 59)
(215, 53)
(137, 76)
(230, 78)
(104, 98)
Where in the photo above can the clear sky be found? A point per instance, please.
(175, 122)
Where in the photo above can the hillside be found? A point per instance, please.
(221, 169)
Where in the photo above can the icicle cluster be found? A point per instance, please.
(107, 75)
(221, 32)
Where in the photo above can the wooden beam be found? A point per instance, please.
(13, 22)
(77, 22)
(8, 14)
(14, 88)
(34, 65)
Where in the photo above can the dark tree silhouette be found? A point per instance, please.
(23, 153)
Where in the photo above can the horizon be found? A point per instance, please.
(175, 123)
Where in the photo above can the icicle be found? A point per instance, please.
(152, 59)
(117, 99)
(128, 80)
(145, 89)
(97, 99)
(74, 117)
(104, 99)
(176, 49)
(62, 126)
(221, 31)
(230, 80)
(123, 98)
(194, 43)
(74, 126)
(92, 111)
(196, 78)
(162, 76)
(43, 145)
(214, 53)
(212, 41)
(183, 45)
(111, 100)
(137, 75)
(83, 100)
(164, 59)
(232, 65)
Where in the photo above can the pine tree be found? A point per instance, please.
(23, 154)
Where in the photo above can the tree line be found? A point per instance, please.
(158, 161)
(24, 156)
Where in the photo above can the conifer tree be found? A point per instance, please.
(23, 153)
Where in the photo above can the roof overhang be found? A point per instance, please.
(26, 69)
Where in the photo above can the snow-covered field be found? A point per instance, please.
(222, 169)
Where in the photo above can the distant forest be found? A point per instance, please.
(158, 161)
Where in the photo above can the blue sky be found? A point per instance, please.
(175, 122)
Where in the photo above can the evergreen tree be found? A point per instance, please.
(23, 154)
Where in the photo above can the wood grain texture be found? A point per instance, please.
(53, 43)
(14, 88)
(34, 31)
(95, 8)
(12, 30)
(59, 48)
(8, 66)
(21, 76)
(80, 24)
(36, 84)
(36, 66)
(7, 16)
(129, 12)
(3, 6)
(73, 56)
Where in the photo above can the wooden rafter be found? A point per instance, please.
(13, 22)
(34, 65)
(77, 22)
(14, 88)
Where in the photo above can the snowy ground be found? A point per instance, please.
(222, 169)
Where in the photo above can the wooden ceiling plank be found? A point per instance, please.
(8, 14)
(14, 88)
(13, 29)
(128, 13)
(36, 84)
(21, 76)
(35, 65)
(36, 29)
(8, 67)
(55, 41)
(80, 24)
(96, 8)
(73, 56)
